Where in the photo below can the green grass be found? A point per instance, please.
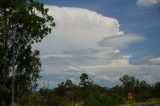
(149, 101)
(80, 103)
(128, 103)
(154, 100)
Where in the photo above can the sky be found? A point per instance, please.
(103, 38)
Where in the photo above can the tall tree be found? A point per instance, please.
(129, 83)
(143, 91)
(85, 84)
(23, 22)
(85, 80)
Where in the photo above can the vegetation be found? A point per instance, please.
(23, 22)
(87, 93)
(69, 94)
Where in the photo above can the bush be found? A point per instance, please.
(99, 99)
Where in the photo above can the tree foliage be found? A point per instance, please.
(23, 22)
(85, 80)
(157, 89)
(129, 82)
(85, 84)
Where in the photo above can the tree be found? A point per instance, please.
(85, 80)
(143, 91)
(63, 87)
(67, 84)
(49, 98)
(23, 22)
(119, 90)
(129, 83)
(85, 84)
(157, 89)
(4, 92)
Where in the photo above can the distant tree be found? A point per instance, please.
(143, 91)
(129, 83)
(72, 92)
(85, 84)
(67, 84)
(85, 80)
(63, 87)
(119, 90)
(157, 89)
(50, 98)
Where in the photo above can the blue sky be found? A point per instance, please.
(104, 38)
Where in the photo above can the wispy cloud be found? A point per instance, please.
(155, 60)
(148, 2)
(120, 41)
(55, 55)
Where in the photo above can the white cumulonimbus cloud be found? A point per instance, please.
(78, 28)
(148, 2)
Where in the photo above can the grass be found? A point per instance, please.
(130, 103)
(80, 103)
(149, 101)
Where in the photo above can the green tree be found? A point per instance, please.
(119, 90)
(85, 84)
(143, 91)
(4, 93)
(157, 89)
(63, 87)
(129, 83)
(49, 98)
(23, 22)
(85, 80)
(67, 84)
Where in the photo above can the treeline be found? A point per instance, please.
(87, 93)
